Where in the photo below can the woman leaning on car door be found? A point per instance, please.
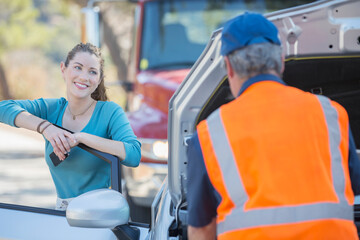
(85, 111)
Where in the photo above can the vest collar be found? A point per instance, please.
(259, 78)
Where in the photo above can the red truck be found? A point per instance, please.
(168, 37)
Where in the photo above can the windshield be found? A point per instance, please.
(176, 32)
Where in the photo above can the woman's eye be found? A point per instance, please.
(77, 67)
(93, 72)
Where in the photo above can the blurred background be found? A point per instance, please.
(36, 35)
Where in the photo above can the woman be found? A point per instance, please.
(95, 122)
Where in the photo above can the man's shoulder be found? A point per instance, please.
(211, 117)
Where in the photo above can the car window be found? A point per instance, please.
(24, 176)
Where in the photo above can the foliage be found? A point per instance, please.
(41, 24)
(35, 35)
(62, 18)
(19, 27)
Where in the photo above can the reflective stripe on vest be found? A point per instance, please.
(240, 219)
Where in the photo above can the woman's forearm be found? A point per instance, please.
(31, 122)
(28, 121)
(58, 138)
(102, 144)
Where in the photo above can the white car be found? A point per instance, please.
(321, 43)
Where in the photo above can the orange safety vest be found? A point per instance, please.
(278, 157)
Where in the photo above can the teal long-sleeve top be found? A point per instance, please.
(81, 171)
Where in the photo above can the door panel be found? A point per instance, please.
(20, 224)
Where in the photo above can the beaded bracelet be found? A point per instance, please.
(38, 127)
(41, 132)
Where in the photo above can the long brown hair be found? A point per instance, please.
(100, 92)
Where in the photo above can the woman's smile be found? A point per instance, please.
(81, 86)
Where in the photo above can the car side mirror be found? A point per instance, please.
(101, 208)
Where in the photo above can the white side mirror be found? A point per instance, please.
(102, 208)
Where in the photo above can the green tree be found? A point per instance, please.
(19, 29)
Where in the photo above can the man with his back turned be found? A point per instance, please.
(274, 162)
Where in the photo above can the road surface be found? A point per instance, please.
(24, 175)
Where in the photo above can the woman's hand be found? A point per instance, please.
(62, 141)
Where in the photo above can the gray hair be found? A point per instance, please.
(256, 59)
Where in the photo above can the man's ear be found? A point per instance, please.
(229, 68)
(282, 64)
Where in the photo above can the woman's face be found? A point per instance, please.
(82, 75)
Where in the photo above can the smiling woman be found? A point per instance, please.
(86, 112)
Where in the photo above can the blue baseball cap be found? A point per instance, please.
(247, 29)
